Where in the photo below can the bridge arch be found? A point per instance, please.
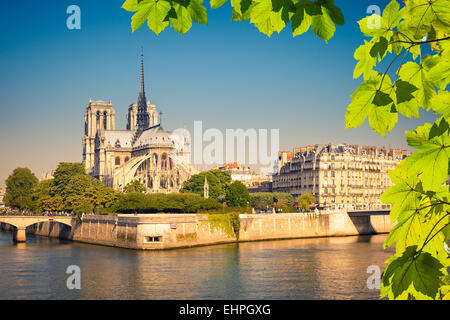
(22, 222)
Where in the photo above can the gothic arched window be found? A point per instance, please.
(98, 119)
(164, 161)
(117, 161)
(105, 122)
(155, 161)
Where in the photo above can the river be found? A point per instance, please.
(323, 268)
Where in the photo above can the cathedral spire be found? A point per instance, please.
(142, 88)
(142, 111)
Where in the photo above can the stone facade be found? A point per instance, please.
(2, 195)
(339, 176)
(169, 231)
(144, 151)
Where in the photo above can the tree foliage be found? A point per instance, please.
(268, 16)
(411, 43)
(305, 201)
(237, 195)
(135, 186)
(218, 181)
(170, 203)
(269, 200)
(19, 187)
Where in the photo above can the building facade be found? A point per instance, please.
(144, 151)
(2, 195)
(339, 176)
(245, 175)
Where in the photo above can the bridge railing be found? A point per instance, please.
(32, 214)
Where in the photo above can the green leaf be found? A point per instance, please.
(409, 228)
(404, 193)
(217, 3)
(417, 75)
(421, 14)
(382, 99)
(439, 74)
(301, 22)
(130, 5)
(198, 11)
(378, 26)
(334, 12)
(183, 22)
(422, 271)
(406, 104)
(322, 25)
(241, 9)
(381, 118)
(441, 104)
(404, 91)
(156, 16)
(365, 61)
(266, 20)
(431, 160)
(379, 48)
(155, 11)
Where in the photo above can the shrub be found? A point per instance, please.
(169, 203)
(264, 200)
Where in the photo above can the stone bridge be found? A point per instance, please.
(22, 222)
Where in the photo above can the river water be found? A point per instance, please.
(324, 268)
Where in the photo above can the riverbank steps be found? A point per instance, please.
(170, 231)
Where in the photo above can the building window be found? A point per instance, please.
(150, 239)
(117, 161)
(105, 126)
(127, 159)
(164, 162)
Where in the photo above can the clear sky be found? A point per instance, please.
(227, 74)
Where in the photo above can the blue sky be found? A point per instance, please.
(227, 74)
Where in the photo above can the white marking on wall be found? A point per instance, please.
(289, 224)
(274, 225)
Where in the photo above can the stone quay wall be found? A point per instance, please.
(168, 231)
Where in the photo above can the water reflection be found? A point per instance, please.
(326, 268)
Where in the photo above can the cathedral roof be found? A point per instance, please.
(154, 136)
(118, 138)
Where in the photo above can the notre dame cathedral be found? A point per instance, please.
(144, 151)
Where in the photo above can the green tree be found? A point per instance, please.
(218, 181)
(19, 188)
(405, 66)
(135, 186)
(305, 201)
(63, 175)
(49, 203)
(237, 195)
(100, 197)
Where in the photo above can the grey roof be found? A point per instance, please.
(119, 138)
(154, 136)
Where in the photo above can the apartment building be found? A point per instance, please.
(339, 176)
